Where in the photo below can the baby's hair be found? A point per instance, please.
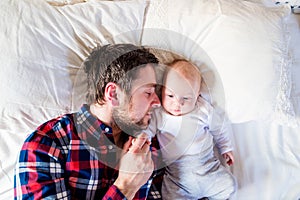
(186, 68)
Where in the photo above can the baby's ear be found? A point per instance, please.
(111, 93)
(199, 97)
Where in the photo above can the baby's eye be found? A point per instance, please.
(186, 98)
(170, 95)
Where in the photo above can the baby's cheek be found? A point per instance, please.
(165, 103)
(189, 107)
(167, 106)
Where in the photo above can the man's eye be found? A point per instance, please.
(148, 94)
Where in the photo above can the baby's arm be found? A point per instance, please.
(220, 129)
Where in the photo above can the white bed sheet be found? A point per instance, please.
(267, 161)
(267, 154)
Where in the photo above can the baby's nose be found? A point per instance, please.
(181, 101)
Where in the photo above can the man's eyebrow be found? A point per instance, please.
(151, 85)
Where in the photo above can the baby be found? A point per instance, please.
(187, 128)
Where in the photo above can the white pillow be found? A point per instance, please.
(64, 2)
(244, 43)
(42, 48)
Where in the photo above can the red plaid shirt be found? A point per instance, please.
(70, 157)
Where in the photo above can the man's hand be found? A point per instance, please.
(136, 165)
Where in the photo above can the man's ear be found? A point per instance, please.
(111, 93)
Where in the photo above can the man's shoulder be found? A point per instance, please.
(62, 122)
(56, 129)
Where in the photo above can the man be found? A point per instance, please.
(97, 153)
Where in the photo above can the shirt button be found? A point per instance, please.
(110, 147)
(106, 129)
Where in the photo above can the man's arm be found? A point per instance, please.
(39, 173)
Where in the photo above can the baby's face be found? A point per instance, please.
(179, 95)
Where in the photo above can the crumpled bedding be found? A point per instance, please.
(43, 47)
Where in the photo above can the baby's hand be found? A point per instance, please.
(228, 156)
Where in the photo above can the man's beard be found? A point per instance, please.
(127, 125)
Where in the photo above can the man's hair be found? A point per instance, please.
(116, 63)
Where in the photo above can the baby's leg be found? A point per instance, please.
(179, 183)
(223, 184)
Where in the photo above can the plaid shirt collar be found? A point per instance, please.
(93, 126)
(97, 135)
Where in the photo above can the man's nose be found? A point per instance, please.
(155, 101)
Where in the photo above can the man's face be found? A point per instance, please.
(134, 112)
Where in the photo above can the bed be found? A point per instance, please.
(249, 53)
